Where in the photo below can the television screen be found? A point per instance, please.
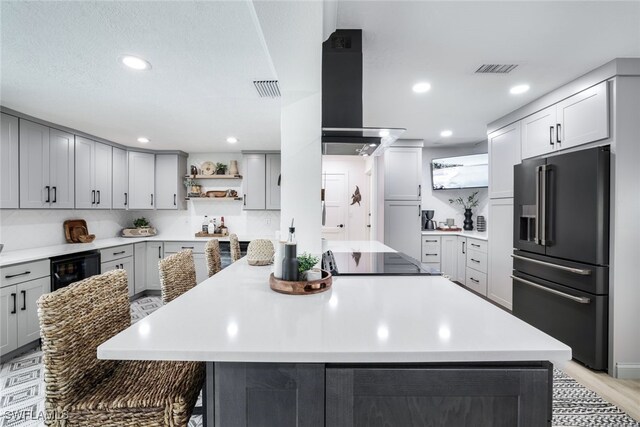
(460, 172)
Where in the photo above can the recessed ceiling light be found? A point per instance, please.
(143, 140)
(135, 62)
(517, 90)
(446, 133)
(383, 133)
(373, 144)
(421, 87)
(365, 155)
(232, 140)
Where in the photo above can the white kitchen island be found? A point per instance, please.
(373, 349)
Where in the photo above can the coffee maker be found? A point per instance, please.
(427, 220)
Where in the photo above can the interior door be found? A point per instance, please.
(578, 206)
(335, 197)
(527, 206)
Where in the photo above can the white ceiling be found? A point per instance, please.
(59, 62)
(445, 42)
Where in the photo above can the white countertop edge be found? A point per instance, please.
(557, 357)
(468, 234)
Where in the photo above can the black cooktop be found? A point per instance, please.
(373, 263)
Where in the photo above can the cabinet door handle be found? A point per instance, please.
(558, 131)
(93, 197)
(474, 280)
(17, 275)
(175, 202)
(463, 245)
(431, 254)
(48, 194)
(24, 300)
(14, 311)
(152, 199)
(119, 253)
(475, 245)
(98, 193)
(159, 254)
(420, 190)
(420, 210)
(244, 200)
(55, 194)
(431, 241)
(341, 225)
(551, 135)
(475, 260)
(126, 199)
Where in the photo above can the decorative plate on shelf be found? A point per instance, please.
(208, 168)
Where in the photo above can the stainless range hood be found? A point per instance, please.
(342, 130)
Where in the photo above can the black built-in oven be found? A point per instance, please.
(68, 269)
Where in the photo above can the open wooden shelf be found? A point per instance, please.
(214, 176)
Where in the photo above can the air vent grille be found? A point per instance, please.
(267, 88)
(496, 68)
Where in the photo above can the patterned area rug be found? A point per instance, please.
(22, 391)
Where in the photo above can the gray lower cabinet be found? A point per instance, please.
(269, 395)
(9, 184)
(155, 252)
(125, 264)
(19, 323)
(140, 267)
(285, 394)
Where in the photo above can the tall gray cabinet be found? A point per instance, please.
(46, 167)
(93, 174)
(9, 162)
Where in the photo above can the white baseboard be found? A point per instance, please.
(628, 371)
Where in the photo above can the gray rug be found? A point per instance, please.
(22, 391)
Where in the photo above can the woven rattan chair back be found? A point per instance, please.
(212, 252)
(177, 275)
(234, 243)
(74, 321)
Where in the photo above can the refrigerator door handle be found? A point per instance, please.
(579, 271)
(581, 300)
(543, 207)
(536, 237)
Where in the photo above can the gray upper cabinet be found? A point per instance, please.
(254, 181)
(9, 184)
(403, 173)
(120, 188)
(141, 180)
(273, 182)
(46, 167)
(170, 190)
(93, 174)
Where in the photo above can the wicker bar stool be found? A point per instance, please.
(212, 252)
(80, 389)
(235, 247)
(177, 275)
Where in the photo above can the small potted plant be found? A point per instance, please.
(141, 223)
(468, 204)
(221, 168)
(193, 188)
(305, 267)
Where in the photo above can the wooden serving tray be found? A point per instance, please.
(301, 288)
(201, 234)
(449, 229)
(70, 225)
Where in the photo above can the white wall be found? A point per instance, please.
(353, 167)
(30, 228)
(439, 200)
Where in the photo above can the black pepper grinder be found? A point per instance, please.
(290, 261)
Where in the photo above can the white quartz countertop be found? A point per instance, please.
(235, 317)
(33, 254)
(339, 246)
(471, 234)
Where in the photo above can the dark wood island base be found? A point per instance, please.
(404, 395)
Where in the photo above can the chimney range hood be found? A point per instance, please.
(342, 130)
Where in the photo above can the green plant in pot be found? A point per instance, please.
(468, 204)
(305, 264)
(141, 223)
(221, 168)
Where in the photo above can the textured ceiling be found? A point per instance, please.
(445, 42)
(59, 62)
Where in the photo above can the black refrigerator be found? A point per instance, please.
(561, 250)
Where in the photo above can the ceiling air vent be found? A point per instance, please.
(496, 68)
(267, 88)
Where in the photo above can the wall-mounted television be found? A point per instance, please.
(453, 173)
